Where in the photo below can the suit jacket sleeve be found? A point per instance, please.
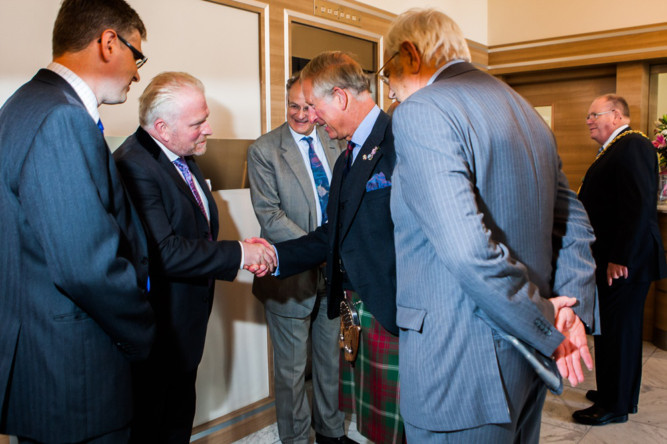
(573, 259)
(304, 253)
(444, 181)
(177, 256)
(265, 199)
(67, 193)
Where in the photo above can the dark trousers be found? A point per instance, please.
(164, 404)
(618, 350)
(116, 437)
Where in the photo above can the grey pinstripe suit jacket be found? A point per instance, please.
(495, 228)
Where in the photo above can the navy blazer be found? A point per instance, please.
(360, 232)
(73, 310)
(184, 262)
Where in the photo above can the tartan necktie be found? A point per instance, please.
(320, 177)
(183, 168)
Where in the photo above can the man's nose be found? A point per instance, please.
(312, 116)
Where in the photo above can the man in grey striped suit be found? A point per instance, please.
(495, 234)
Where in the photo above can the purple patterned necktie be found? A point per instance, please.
(320, 178)
(183, 168)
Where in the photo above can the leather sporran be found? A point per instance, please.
(349, 331)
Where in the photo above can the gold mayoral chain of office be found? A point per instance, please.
(601, 153)
(623, 134)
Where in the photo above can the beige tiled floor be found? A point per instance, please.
(648, 426)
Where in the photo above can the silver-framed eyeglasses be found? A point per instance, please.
(594, 116)
(379, 72)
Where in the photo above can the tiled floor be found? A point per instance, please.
(648, 426)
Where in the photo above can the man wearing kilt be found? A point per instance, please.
(357, 243)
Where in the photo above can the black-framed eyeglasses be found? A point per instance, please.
(139, 58)
(595, 116)
(379, 73)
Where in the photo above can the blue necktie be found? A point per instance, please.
(100, 126)
(320, 177)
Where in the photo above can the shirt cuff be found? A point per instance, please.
(242, 256)
(277, 270)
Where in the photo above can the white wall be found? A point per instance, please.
(470, 15)
(183, 35)
(513, 21)
(234, 371)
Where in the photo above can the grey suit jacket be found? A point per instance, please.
(284, 202)
(73, 270)
(495, 228)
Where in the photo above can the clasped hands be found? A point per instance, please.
(574, 347)
(259, 257)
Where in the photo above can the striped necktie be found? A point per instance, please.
(348, 155)
(183, 168)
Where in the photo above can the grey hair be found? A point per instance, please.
(159, 97)
(619, 103)
(332, 69)
(434, 33)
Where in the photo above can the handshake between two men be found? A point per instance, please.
(259, 256)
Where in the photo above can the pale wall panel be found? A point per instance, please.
(195, 36)
(215, 43)
(471, 15)
(512, 21)
(234, 371)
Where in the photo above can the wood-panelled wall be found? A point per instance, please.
(568, 73)
(569, 98)
(642, 43)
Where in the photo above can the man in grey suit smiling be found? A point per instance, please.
(290, 171)
(496, 234)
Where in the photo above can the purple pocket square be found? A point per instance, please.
(377, 182)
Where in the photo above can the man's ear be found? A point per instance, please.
(340, 96)
(108, 42)
(162, 130)
(414, 58)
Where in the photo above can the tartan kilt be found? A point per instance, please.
(370, 388)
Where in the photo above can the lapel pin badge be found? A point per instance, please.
(370, 156)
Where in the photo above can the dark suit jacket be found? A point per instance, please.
(360, 233)
(619, 193)
(73, 310)
(184, 263)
